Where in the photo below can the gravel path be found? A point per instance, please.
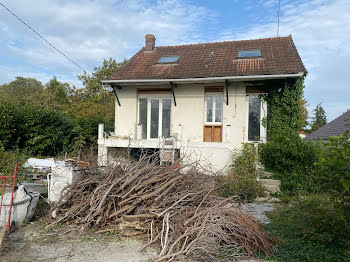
(258, 210)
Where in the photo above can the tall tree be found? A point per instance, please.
(94, 90)
(319, 119)
(57, 92)
(93, 104)
(21, 89)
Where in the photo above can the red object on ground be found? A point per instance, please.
(3, 192)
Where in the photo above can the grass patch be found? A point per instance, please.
(313, 228)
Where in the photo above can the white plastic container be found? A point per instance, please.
(58, 180)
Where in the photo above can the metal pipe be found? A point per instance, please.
(173, 92)
(115, 94)
(226, 86)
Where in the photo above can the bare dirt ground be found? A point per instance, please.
(32, 242)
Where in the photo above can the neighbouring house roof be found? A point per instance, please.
(335, 128)
(278, 56)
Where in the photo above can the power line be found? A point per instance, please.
(43, 38)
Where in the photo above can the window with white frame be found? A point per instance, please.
(213, 108)
(154, 116)
(257, 110)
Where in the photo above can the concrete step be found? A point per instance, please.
(263, 173)
(270, 182)
(272, 188)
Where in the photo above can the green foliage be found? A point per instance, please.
(54, 119)
(319, 119)
(291, 159)
(58, 92)
(313, 228)
(285, 107)
(94, 90)
(8, 160)
(304, 114)
(242, 178)
(39, 131)
(93, 104)
(332, 171)
(20, 90)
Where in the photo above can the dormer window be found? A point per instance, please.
(168, 59)
(249, 53)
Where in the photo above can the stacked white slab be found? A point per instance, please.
(271, 185)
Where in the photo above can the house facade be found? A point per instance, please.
(200, 100)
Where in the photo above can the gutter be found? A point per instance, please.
(205, 79)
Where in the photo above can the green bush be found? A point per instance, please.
(291, 160)
(40, 131)
(242, 178)
(8, 160)
(313, 228)
(333, 168)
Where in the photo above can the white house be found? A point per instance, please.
(202, 99)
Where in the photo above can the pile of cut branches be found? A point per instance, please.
(175, 205)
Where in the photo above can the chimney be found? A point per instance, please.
(150, 42)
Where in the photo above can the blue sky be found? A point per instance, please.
(89, 31)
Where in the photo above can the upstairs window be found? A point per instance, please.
(168, 59)
(249, 53)
(214, 109)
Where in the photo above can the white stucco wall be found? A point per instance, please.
(187, 116)
(126, 114)
(189, 112)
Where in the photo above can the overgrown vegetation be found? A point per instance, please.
(242, 177)
(8, 160)
(314, 220)
(286, 107)
(55, 119)
(314, 223)
(332, 170)
(313, 228)
(292, 160)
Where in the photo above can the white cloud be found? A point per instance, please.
(320, 30)
(88, 31)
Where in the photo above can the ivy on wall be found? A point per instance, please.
(284, 105)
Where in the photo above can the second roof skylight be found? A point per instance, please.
(249, 53)
(168, 59)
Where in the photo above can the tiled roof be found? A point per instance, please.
(279, 56)
(335, 128)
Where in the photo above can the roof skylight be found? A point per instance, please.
(249, 53)
(168, 59)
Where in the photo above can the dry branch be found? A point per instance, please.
(174, 204)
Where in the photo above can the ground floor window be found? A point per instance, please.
(154, 116)
(257, 110)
